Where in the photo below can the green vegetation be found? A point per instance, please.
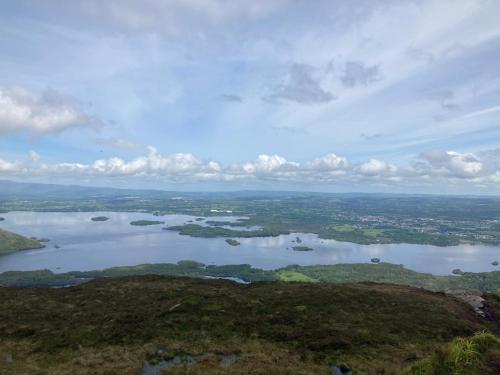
(488, 282)
(232, 242)
(479, 354)
(219, 223)
(396, 274)
(111, 326)
(100, 218)
(146, 222)
(290, 275)
(195, 230)
(302, 248)
(14, 242)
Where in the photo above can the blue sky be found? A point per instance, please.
(379, 96)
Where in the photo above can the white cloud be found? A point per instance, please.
(452, 163)
(6, 166)
(48, 112)
(375, 167)
(447, 167)
(329, 162)
(153, 164)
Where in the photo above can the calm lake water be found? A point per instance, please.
(87, 245)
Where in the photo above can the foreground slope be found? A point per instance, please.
(111, 326)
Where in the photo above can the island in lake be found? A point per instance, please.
(100, 218)
(232, 242)
(146, 222)
(302, 248)
(14, 242)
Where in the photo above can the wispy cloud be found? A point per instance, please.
(481, 112)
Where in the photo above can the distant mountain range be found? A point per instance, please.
(29, 190)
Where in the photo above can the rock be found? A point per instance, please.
(472, 297)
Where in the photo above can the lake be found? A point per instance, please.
(87, 245)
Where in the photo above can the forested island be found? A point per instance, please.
(100, 218)
(142, 223)
(302, 248)
(10, 242)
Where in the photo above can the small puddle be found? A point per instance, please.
(156, 367)
(230, 278)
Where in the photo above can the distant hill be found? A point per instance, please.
(26, 190)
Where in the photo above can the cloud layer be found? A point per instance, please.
(448, 166)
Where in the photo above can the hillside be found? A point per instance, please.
(13, 242)
(196, 326)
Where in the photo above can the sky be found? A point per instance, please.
(361, 95)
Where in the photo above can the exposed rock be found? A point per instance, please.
(472, 297)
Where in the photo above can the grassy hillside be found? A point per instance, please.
(111, 326)
(13, 242)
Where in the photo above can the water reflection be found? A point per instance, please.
(86, 245)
